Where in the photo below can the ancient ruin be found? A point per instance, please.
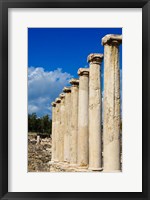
(111, 130)
(81, 140)
(95, 105)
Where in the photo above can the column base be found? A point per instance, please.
(61, 163)
(66, 163)
(81, 168)
(73, 165)
(95, 169)
(51, 162)
(112, 171)
(56, 160)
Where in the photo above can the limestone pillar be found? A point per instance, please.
(74, 121)
(62, 126)
(57, 122)
(67, 91)
(53, 131)
(83, 117)
(38, 139)
(111, 103)
(95, 105)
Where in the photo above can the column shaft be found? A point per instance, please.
(95, 135)
(74, 121)
(53, 131)
(57, 129)
(62, 127)
(111, 103)
(67, 116)
(83, 136)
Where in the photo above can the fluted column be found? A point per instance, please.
(53, 131)
(95, 105)
(83, 113)
(67, 91)
(58, 100)
(111, 103)
(74, 120)
(62, 126)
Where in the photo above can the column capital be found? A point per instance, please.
(53, 104)
(112, 39)
(83, 71)
(95, 58)
(57, 100)
(67, 89)
(62, 95)
(74, 82)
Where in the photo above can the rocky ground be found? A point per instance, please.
(39, 155)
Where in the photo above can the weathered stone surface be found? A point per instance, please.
(62, 95)
(57, 128)
(57, 100)
(95, 58)
(38, 139)
(62, 126)
(53, 104)
(63, 167)
(111, 103)
(67, 91)
(95, 104)
(74, 82)
(74, 120)
(83, 71)
(83, 117)
(112, 39)
(53, 130)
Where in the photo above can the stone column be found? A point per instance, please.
(95, 105)
(74, 120)
(83, 117)
(111, 103)
(38, 139)
(67, 91)
(53, 131)
(62, 126)
(57, 122)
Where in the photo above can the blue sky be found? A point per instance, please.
(54, 56)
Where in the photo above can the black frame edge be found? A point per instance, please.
(4, 194)
(145, 93)
(4, 101)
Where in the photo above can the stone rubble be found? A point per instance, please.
(39, 155)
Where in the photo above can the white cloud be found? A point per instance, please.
(44, 87)
(32, 108)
